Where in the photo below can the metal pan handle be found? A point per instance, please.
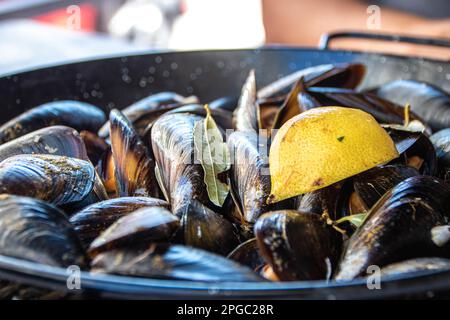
(326, 39)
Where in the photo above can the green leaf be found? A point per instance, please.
(212, 153)
(355, 219)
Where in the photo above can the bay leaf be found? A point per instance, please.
(212, 153)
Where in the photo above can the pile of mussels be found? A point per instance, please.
(125, 196)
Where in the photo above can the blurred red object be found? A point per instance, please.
(88, 18)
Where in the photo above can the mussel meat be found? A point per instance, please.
(134, 167)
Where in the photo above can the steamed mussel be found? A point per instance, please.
(88, 117)
(182, 180)
(126, 192)
(59, 180)
(399, 227)
(91, 221)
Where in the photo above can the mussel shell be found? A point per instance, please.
(134, 166)
(146, 110)
(77, 115)
(95, 146)
(205, 229)
(246, 115)
(426, 100)
(106, 171)
(398, 227)
(173, 148)
(55, 179)
(164, 261)
(56, 140)
(182, 180)
(221, 116)
(143, 226)
(249, 174)
(90, 222)
(297, 245)
(416, 150)
(416, 265)
(382, 110)
(247, 254)
(329, 201)
(330, 75)
(441, 142)
(33, 230)
(225, 103)
(296, 102)
(371, 185)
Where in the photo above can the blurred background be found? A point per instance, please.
(39, 32)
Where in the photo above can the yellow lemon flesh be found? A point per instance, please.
(325, 145)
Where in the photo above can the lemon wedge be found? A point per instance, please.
(322, 146)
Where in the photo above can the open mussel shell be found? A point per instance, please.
(416, 265)
(95, 146)
(106, 171)
(345, 75)
(247, 254)
(146, 225)
(429, 102)
(441, 142)
(371, 185)
(205, 229)
(56, 140)
(398, 227)
(55, 179)
(33, 230)
(297, 245)
(133, 164)
(90, 222)
(77, 115)
(246, 116)
(165, 261)
(147, 110)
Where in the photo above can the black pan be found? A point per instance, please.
(117, 82)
